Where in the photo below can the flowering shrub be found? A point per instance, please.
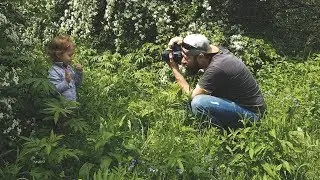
(254, 52)
(116, 25)
(10, 72)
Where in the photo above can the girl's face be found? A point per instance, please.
(67, 56)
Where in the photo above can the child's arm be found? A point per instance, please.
(78, 74)
(61, 85)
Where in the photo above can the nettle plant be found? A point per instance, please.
(145, 130)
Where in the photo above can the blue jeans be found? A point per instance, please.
(221, 112)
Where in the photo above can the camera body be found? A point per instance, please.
(177, 54)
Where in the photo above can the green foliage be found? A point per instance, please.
(131, 120)
(145, 131)
(296, 88)
(59, 108)
(254, 52)
(292, 26)
(296, 26)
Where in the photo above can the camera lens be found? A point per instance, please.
(165, 55)
(177, 56)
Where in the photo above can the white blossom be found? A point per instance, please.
(237, 42)
(3, 19)
(15, 124)
(5, 84)
(206, 5)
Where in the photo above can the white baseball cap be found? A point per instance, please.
(199, 43)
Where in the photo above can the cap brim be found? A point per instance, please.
(213, 49)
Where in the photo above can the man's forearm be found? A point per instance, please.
(180, 80)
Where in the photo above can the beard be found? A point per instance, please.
(191, 71)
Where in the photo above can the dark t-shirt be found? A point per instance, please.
(228, 77)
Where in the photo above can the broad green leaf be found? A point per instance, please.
(48, 148)
(273, 133)
(84, 171)
(268, 168)
(129, 124)
(179, 161)
(105, 162)
(251, 153)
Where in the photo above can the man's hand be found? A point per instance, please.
(172, 64)
(197, 91)
(67, 75)
(175, 40)
(78, 67)
(179, 77)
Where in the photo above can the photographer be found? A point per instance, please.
(227, 92)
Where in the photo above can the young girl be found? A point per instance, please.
(61, 74)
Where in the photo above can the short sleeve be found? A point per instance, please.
(213, 79)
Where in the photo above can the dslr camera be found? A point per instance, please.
(177, 54)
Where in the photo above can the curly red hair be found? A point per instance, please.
(59, 45)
